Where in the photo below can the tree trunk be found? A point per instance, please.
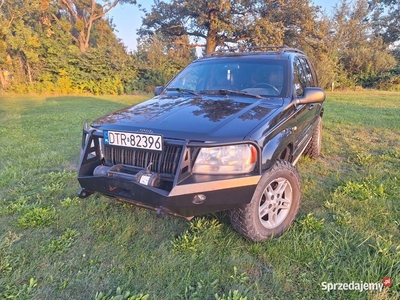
(28, 68)
(2, 79)
(83, 46)
(212, 36)
(211, 44)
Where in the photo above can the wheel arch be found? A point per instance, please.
(279, 147)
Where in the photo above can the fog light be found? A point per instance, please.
(199, 199)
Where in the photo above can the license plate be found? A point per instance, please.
(133, 140)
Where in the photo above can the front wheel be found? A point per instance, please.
(274, 205)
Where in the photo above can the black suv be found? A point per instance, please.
(224, 134)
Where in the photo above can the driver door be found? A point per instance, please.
(305, 113)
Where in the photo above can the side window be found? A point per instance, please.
(308, 72)
(300, 79)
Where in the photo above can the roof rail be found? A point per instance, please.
(279, 49)
(226, 50)
(238, 50)
(288, 49)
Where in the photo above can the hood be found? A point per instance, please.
(211, 118)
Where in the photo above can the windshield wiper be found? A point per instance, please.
(229, 92)
(182, 91)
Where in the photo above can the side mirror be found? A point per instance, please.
(158, 90)
(312, 95)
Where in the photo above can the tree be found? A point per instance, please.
(386, 19)
(292, 22)
(358, 52)
(159, 59)
(3, 52)
(244, 22)
(39, 54)
(81, 16)
(105, 68)
(20, 39)
(327, 58)
(217, 22)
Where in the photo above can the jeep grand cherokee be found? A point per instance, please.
(223, 134)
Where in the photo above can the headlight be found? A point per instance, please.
(235, 159)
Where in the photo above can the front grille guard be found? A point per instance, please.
(91, 154)
(174, 164)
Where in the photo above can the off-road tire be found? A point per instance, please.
(273, 206)
(313, 149)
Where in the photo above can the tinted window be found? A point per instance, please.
(256, 76)
(308, 72)
(300, 78)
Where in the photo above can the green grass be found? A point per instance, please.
(54, 245)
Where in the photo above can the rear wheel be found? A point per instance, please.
(313, 148)
(274, 205)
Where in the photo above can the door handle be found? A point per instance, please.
(311, 106)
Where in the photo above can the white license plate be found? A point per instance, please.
(133, 140)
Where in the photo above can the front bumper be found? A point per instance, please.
(183, 193)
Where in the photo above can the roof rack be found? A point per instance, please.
(240, 50)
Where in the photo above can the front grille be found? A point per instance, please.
(165, 162)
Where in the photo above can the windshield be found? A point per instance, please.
(254, 76)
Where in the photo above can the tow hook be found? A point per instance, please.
(160, 212)
(83, 193)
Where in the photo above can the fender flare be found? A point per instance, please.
(273, 147)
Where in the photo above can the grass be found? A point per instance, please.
(54, 245)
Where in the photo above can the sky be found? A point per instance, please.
(127, 19)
